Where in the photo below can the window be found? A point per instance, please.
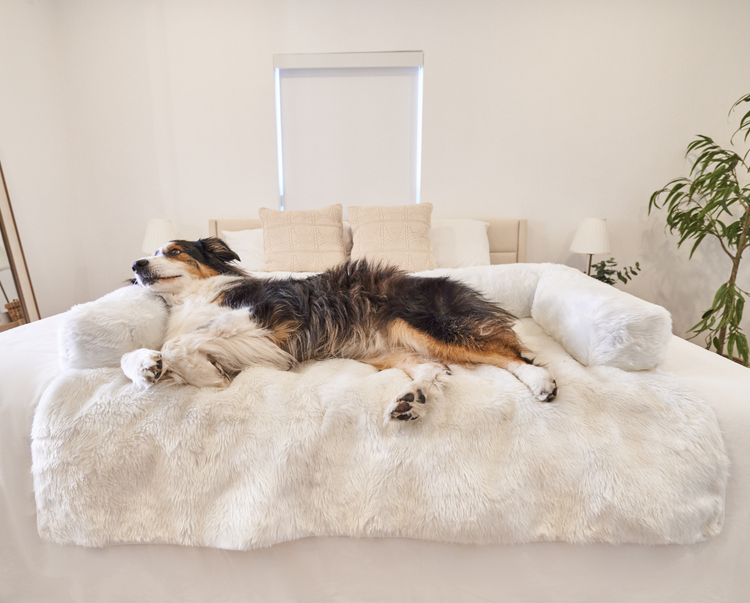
(349, 128)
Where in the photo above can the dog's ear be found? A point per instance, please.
(218, 248)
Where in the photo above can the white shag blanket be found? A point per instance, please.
(618, 457)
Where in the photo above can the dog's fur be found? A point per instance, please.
(222, 321)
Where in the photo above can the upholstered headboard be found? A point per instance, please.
(507, 237)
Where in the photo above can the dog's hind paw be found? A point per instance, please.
(553, 394)
(538, 379)
(409, 405)
(412, 402)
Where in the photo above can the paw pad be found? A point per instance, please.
(405, 409)
(553, 394)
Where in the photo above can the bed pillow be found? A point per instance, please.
(460, 243)
(97, 334)
(398, 235)
(248, 244)
(302, 240)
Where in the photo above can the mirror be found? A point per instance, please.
(17, 301)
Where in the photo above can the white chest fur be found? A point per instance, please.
(195, 306)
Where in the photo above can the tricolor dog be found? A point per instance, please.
(222, 321)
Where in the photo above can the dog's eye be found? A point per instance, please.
(174, 252)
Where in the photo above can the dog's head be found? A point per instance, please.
(179, 262)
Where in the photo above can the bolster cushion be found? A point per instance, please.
(598, 324)
(96, 334)
(510, 286)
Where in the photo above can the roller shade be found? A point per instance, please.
(349, 128)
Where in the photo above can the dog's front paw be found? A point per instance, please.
(143, 367)
(187, 365)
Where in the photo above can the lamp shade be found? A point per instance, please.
(591, 237)
(158, 232)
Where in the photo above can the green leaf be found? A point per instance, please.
(721, 295)
(698, 241)
(742, 347)
(738, 310)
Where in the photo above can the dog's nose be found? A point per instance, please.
(139, 264)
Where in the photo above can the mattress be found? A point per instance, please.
(377, 569)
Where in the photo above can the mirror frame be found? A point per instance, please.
(16, 258)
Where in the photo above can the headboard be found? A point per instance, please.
(507, 237)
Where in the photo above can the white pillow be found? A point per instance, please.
(460, 243)
(248, 244)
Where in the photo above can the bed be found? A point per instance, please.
(367, 569)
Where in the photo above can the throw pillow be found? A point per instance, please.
(398, 235)
(302, 240)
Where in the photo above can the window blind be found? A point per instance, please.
(349, 129)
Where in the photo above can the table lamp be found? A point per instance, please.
(158, 232)
(591, 238)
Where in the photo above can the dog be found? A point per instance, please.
(223, 320)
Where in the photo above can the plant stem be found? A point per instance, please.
(735, 267)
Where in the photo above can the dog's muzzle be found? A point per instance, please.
(138, 265)
(142, 271)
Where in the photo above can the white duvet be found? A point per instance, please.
(618, 457)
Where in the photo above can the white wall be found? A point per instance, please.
(35, 153)
(553, 111)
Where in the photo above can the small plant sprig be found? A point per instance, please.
(712, 201)
(606, 271)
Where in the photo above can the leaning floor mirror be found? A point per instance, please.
(17, 301)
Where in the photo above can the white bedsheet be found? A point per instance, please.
(342, 569)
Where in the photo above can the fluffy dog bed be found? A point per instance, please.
(620, 456)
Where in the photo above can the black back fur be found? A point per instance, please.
(338, 311)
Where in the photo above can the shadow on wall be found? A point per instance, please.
(686, 287)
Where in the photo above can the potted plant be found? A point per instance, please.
(606, 271)
(713, 202)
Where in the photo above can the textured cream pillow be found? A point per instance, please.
(397, 235)
(302, 241)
